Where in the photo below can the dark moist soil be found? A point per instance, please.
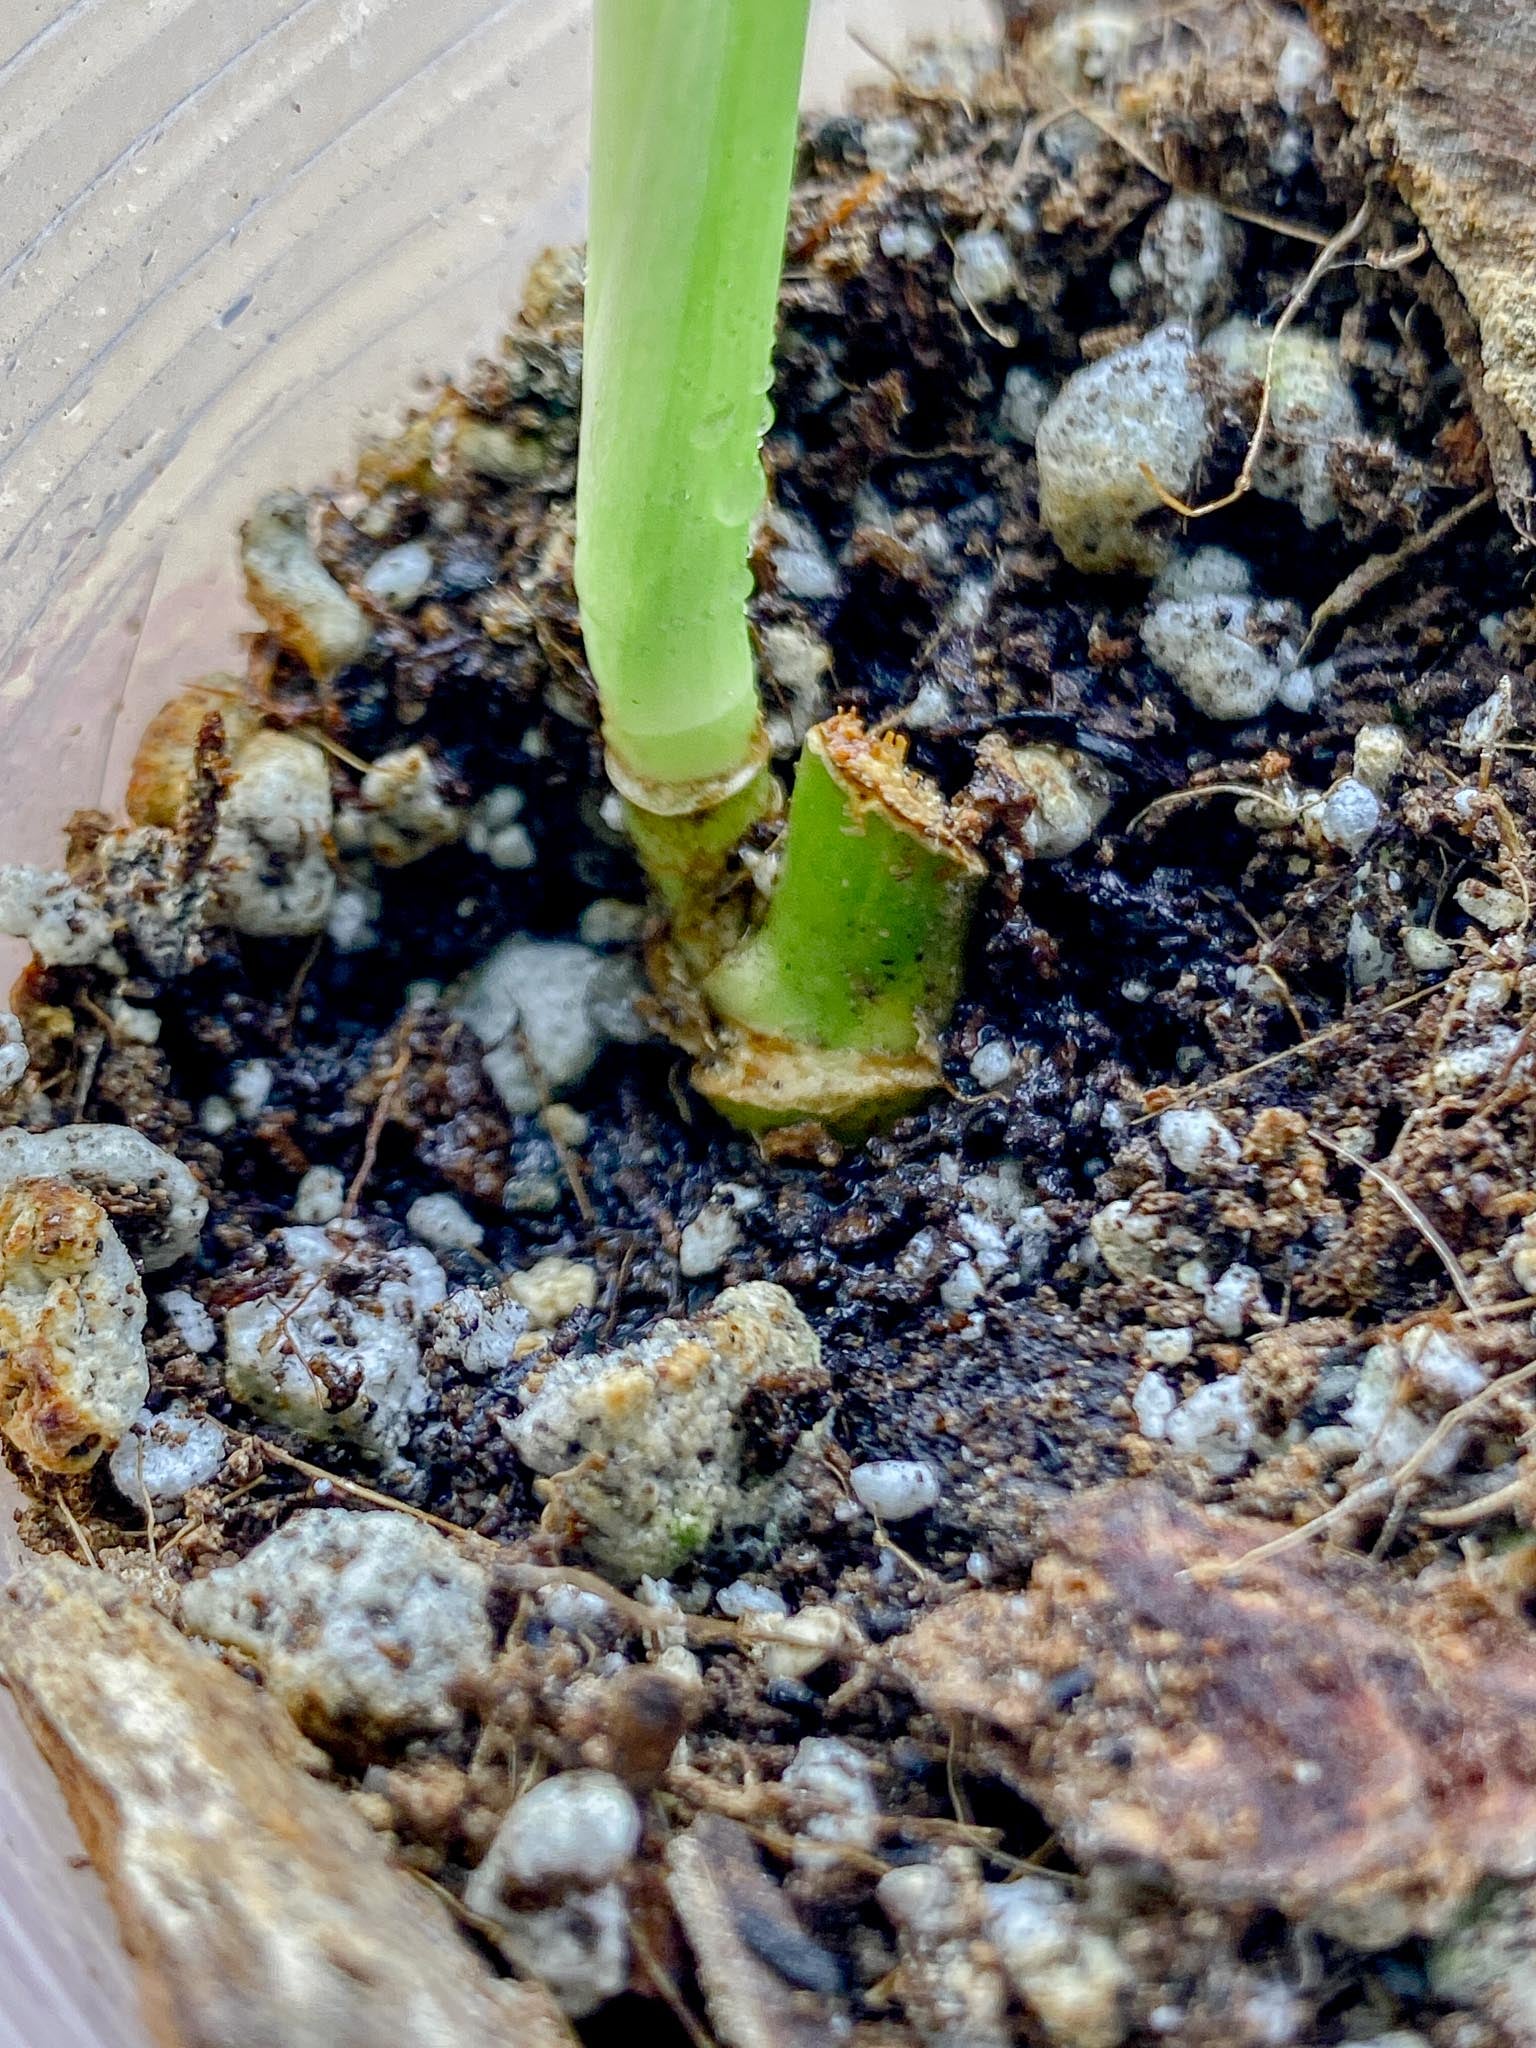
(1180, 957)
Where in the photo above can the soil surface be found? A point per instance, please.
(1290, 1802)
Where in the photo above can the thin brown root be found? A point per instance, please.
(1376, 570)
(1293, 307)
(383, 1110)
(1359, 1020)
(1403, 1200)
(1374, 1489)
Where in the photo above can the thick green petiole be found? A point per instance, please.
(693, 143)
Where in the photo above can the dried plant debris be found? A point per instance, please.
(1059, 1573)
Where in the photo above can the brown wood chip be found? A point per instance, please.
(261, 1909)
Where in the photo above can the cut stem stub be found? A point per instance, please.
(829, 1012)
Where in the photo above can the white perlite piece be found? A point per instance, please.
(552, 1289)
(116, 1159)
(404, 814)
(299, 599)
(1071, 1978)
(1026, 401)
(73, 1374)
(984, 268)
(1427, 952)
(164, 1456)
(320, 1196)
(1350, 813)
(190, 1320)
(642, 1447)
(59, 922)
(1142, 405)
(1214, 1425)
(1495, 909)
(443, 1222)
(1386, 1422)
(1189, 255)
(1152, 1404)
(1196, 1141)
(400, 575)
(1071, 800)
(250, 1087)
(13, 1053)
(838, 1779)
(1228, 654)
(708, 1240)
(1235, 1299)
(1311, 408)
(992, 1063)
(542, 1010)
(480, 1328)
(274, 875)
(362, 1625)
(327, 1361)
(1380, 751)
(571, 1837)
(895, 1489)
(1205, 572)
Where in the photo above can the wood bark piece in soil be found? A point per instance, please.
(1299, 1735)
(753, 1956)
(261, 1909)
(1441, 91)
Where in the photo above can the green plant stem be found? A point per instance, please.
(693, 141)
(834, 1003)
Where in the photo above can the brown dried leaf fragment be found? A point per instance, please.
(1301, 1736)
(258, 1904)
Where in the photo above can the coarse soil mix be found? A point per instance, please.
(1193, 954)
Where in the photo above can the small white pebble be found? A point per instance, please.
(1026, 400)
(742, 1597)
(190, 1320)
(984, 269)
(895, 1489)
(1195, 1140)
(320, 1195)
(1351, 813)
(1152, 1404)
(1380, 751)
(708, 1240)
(216, 1116)
(890, 146)
(399, 576)
(1427, 951)
(1168, 1347)
(1497, 910)
(992, 1063)
(13, 1053)
(443, 1222)
(1233, 1299)
(250, 1085)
